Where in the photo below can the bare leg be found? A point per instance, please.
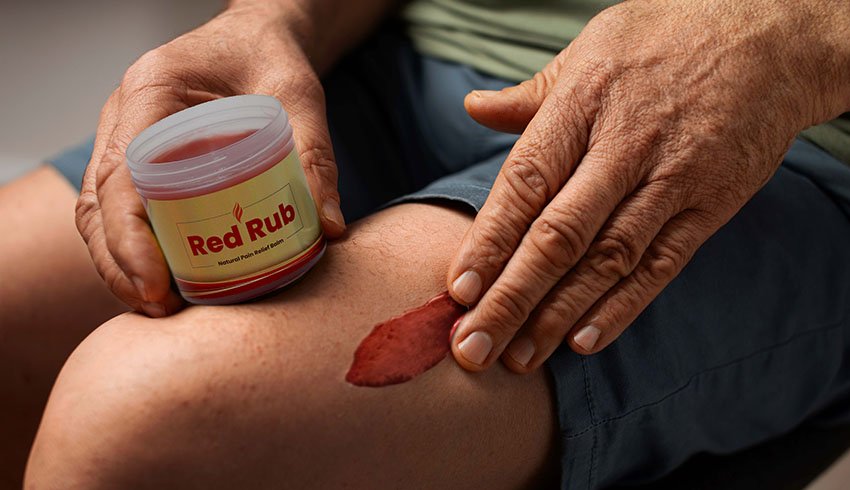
(50, 299)
(253, 396)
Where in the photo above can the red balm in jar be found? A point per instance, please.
(227, 199)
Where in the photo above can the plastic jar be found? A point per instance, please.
(227, 199)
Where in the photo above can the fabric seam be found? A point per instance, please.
(594, 425)
(589, 397)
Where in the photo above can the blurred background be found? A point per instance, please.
(59, 60)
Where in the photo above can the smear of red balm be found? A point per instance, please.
(406, 346)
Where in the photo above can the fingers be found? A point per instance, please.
(536, 169)
(89, 217)
(129, 256)
(611, 314)
(614, 254)
(144, 281)
(511, 109)
(555, 242)
(663, 261)
(304, 101)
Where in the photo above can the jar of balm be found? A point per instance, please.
(227, 199)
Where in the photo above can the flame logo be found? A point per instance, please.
(237, 212)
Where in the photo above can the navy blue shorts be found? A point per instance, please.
(751, 340)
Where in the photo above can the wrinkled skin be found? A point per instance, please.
(640, 140)
(230, 55)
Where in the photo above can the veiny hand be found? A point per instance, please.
(640, 140)
(240, 52)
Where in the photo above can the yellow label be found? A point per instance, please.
(236, 232)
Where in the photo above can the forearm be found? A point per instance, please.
(326, 29)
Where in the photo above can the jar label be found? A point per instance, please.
(243, 236)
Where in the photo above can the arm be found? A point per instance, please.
(325, 28)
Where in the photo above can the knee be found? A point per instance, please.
(147, 404)
(253, 396)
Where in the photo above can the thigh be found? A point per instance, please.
(46, 269)
(49, 282)
(398, 123)
(752, 338)
(264, 384)
(50, 299)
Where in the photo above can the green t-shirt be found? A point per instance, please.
(513, 39)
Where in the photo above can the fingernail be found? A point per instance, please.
(454, 329)
(521, 350)
(467, 287)
(140, 287)
(331, 212)
(587, 337)
(484, 93)
(476, 347)
(154, 310)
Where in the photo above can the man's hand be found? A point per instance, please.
(640, 140)
(242, 51)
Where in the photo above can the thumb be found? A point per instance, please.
(313, 142)
(511, 109)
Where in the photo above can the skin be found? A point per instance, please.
(639, 141)
(50, 299)
(230, 55)
(602, 210)
(254, 396)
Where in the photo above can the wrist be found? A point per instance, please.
(822, 35)
(323, 29)
(295, 21)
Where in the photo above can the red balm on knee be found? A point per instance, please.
(406, 346)
(227, 199)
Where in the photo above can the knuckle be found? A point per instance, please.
(526, 181)
(665, 262)
(87, 205)
(110, 166)
(320, 162)
(318, 158)
(558, 240)
(640, 150)
(542, 83)
(608, 19)
(147, 66)
(559, 314)
(596, 69)
(509, 308)
(154, 70)
(491, 246)
(614, 256)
